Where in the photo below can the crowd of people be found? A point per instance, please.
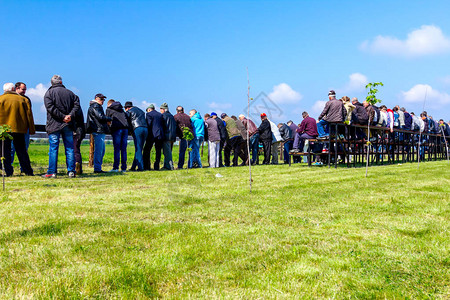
(160, 129)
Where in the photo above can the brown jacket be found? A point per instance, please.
(15, 111)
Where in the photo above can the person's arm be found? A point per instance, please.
(324, 111)
(30, 118)
(76, 106)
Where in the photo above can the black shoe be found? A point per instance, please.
(100, 172)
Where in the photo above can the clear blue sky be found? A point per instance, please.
(195, 53)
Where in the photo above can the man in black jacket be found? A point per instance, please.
(61, 105)
(182, 120)
(155, 136)
(138, 125)
(97, 125)
(170, 135)
(119, 133)
(78, 136)
(265, 136)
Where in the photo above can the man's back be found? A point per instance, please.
(155, 124)
(16, 112)
(334, 111)
(59, 102)
(182, 120)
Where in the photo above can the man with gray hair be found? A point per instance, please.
(62, 105)
(16, 113)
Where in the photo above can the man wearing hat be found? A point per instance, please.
(333, 112)
(170, 135)
(138, 125)
(265, 136)
(97, 125)
(155, 137)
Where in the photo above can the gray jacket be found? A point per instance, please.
(334, 111)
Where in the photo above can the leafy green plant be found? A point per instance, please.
(372, 93)
(188, 136)
(4, 134)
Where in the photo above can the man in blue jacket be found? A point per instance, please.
(155, 137)
(199, 134)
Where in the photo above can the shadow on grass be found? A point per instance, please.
(49, 229)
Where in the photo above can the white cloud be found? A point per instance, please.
(357, 83)
(418, 93)
(37, 93)
(220, 108)
(318, 106)
(426, 40)
(283, 93)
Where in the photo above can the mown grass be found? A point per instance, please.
(302, 233)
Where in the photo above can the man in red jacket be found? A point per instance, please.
(306, 130)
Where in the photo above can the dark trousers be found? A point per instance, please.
(267, 146)
(182, 153)
(235, 145)
(222, 143)
(148, 148)
(77, 139)
(22, 154)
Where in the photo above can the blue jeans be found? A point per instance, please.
(53, 138)
(194, 155)
(140, 136)
(182, 154)
(99, 150)
(254, 145)
(120, 142)
(287, 147)
(322, 128)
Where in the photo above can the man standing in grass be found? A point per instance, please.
(21, 89)
(182, 120)
(234, 141)
(213, 141)
(97, 125)
(265, 136)
(170, 135)
(15, 111)
(254, 138)
(138, 125)
(119, 133)
(61, 105)
(199, 134)
(155, 137)
(223, 135)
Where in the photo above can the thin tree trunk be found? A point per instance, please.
(91, 150)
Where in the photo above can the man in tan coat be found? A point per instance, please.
(15, 111)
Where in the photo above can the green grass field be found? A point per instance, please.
(302, 233)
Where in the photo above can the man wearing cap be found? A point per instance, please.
(170, 135)
(61, 105)
(265, 136)
(234, 141)
(333, 112)
(182, 120)
(155, 137)
(97, 125)
(138, 125)
(223, 135)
